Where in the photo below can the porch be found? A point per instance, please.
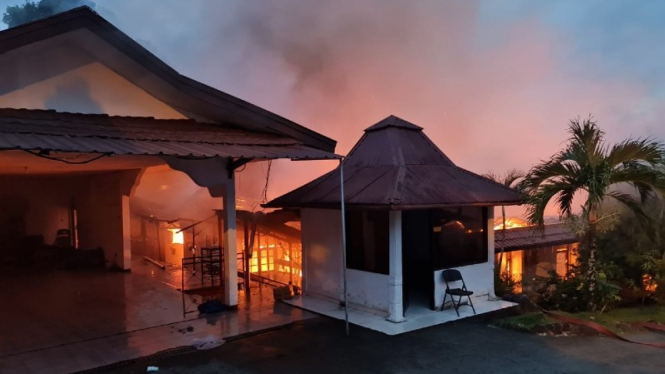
(374, 320)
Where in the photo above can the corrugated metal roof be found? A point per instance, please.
(76, 132)
(398, 166)
(531, 237)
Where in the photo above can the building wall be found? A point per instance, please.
(73, 82)
(527, 265)
(322, 243)
(322, 273)
(368, 289)
(24, 199)
(90, 88)
(45, 205)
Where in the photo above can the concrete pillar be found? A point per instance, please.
(230, 245)
(213, 173)
(490, 250)
(126, 262)
(396, 306)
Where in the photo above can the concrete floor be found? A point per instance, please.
(320, 346)
(68, 321)
(417, 316)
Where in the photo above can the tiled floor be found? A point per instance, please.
(61, 322)
(364, 318)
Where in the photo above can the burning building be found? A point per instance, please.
(107, 150)
(411, 214)
(531, 253)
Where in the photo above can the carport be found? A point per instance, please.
(76, 173)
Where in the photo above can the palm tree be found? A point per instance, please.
(509, 179)
(590, 168)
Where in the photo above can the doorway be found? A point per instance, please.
(417, 263)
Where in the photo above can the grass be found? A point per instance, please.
(528, 322)
(621, 318)
(618, 320)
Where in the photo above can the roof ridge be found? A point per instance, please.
(393, 121)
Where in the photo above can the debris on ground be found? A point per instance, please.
(211, 306)
(209, 342)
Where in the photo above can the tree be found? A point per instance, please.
(30, 11)
(509, 180)
(590, 168)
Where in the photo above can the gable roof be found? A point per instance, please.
(530, 237)
(48, 130)
(396, 166)
(129, 59)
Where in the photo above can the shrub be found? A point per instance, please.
(505, 284)
(570, 293)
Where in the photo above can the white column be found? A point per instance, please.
(126, 235)
(230, 245)
(396, 307)
(490, 249)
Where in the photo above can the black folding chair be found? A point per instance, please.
(452, 276)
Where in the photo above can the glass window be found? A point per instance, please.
(367, 241)
(459, 236)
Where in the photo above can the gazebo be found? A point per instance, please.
(410, 214)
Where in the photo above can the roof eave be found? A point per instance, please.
(352, 206)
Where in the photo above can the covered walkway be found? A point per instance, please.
(88, 319)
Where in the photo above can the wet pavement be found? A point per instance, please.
(60, 322)
(320, 346)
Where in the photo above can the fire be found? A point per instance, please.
(511, 223)
(178, 237)
(649, 284)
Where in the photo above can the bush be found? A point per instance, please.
(571, 294)
(505, 284)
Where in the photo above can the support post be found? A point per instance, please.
(126, 235)
(246, 272)
(343, 208)
(491, 295)
(230, 245)
(395, 293)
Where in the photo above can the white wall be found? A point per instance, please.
(73, 82)
(322, 252)
(368, 289)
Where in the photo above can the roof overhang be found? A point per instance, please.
(545, 244)
(386, 207)
(42, 131)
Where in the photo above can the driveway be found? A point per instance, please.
(319, 346)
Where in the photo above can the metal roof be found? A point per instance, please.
(396, 166)
(30, 129)
(93, 36)
(532, 237)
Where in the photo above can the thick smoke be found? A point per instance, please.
(493, 85)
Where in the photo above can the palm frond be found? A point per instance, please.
(634, 205)
(636, 150)
(508, 179)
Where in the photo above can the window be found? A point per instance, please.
(459, 236)
(367, 241)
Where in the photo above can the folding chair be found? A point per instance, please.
(451, 276)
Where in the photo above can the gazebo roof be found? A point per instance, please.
(396, 166)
